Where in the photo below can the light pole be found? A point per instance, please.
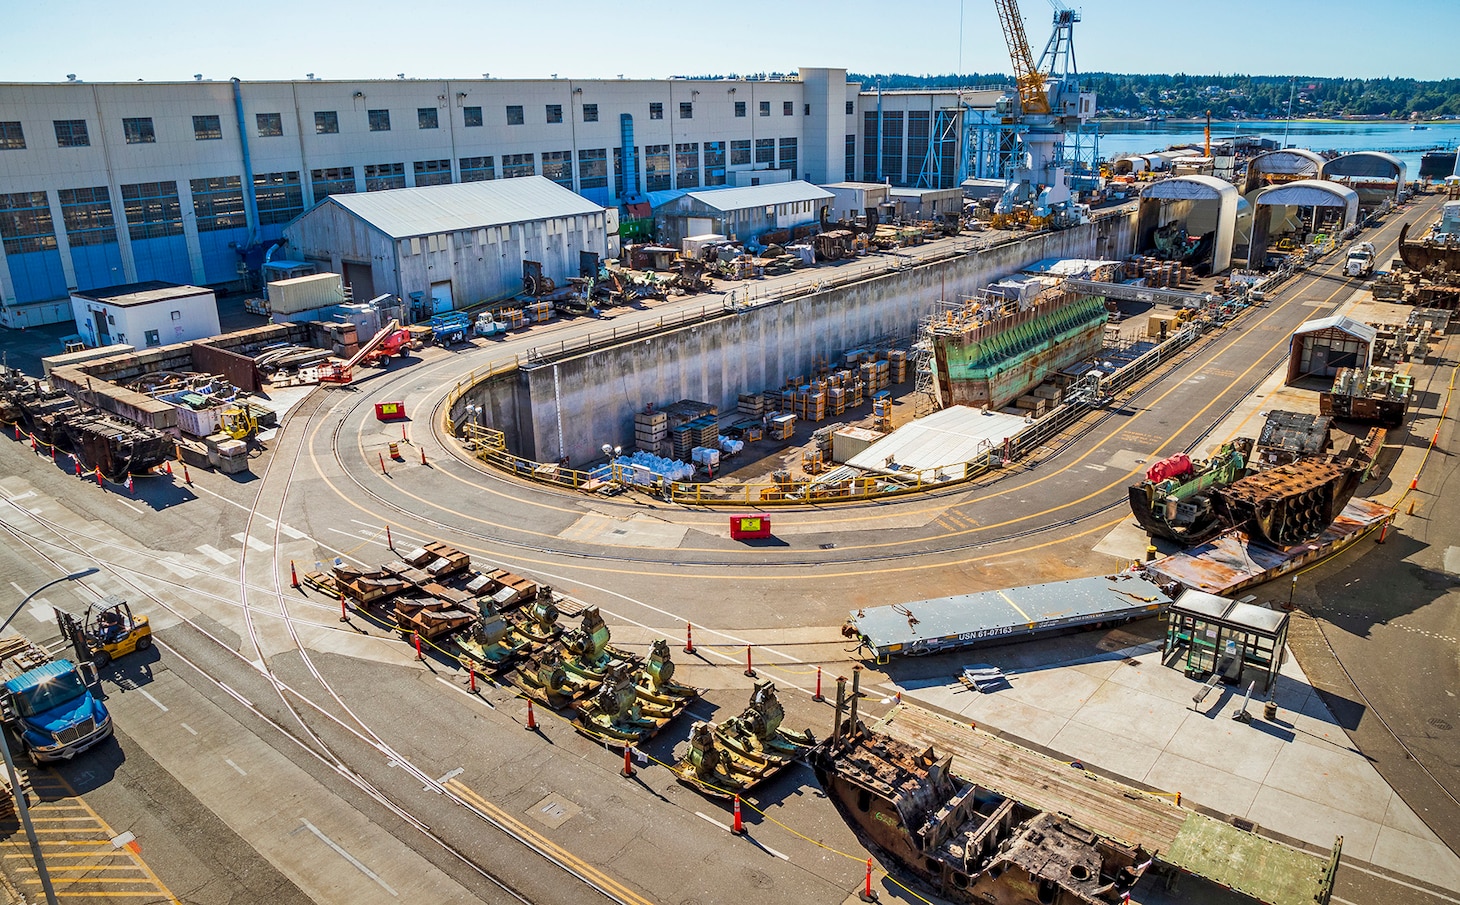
(1292, 82)
(20, 803)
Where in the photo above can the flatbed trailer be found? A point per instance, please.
(947, 623)
(1232, 560)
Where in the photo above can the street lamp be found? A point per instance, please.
(20, 803)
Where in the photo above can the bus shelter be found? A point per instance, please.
(1239, 641)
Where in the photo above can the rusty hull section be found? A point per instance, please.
(968, 843)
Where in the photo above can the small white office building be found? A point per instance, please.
(145, 315)
(443, 247)
(743, 214)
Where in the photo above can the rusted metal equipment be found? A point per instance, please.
(1174, 499)
(734, 757)
(620, 711)
(100, 440)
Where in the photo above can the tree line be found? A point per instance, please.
(1228, 96)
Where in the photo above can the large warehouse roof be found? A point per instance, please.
(742, 197)
(402, 213)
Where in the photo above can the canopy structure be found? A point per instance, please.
(1207, 205)
(1278, 167)
(1280, 210)
(1376, 176)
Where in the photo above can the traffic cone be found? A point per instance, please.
(98, 478)
(187, 479)
(423, 455)
(293, 575)
(531, 717)
(130, 488)
(738, 826)
(168, 466)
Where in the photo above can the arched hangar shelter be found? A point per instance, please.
(1296, 212)
(1376, 176)
(1279, 167)
(1320, 347)
(1192, 219)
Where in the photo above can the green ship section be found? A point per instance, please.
(994, 369)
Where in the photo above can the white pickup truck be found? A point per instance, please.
(1360, 261)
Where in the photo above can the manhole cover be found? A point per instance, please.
(1440, 724)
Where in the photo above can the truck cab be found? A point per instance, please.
(1360, 261)
(51, 709)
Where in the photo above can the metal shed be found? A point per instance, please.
(1376, 176)
(1206, 205)
(450, 246)
(1320, 347)
(742, 213)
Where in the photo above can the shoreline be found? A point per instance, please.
(1177, 121)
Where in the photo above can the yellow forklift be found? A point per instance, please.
(107, 631)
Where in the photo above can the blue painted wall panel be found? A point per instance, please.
(220, 262)
(162, 259)
(98, 266)
(37, 276)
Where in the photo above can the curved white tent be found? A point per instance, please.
(1276, 167)
(1204, 190)
(1314, 193)
(1364, 169)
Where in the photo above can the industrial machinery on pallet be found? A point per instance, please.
(733, 757)
(1174, 499)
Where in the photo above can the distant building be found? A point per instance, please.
(108, 183)
(144, 315)
(740, 213)
(449, 246)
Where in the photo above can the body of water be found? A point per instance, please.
(1119, 139)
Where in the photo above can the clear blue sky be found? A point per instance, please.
(106, 40)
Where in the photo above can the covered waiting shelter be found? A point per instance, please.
(1278, 167)
(1207, 205)
(1376, 176)
(1289, 202)
(1239, 642)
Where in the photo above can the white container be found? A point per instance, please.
(319, 290)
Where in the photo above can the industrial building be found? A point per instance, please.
(145, 315)
(740, 213)
(447, 246)
(103, 184)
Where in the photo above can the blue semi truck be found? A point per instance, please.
(47, 703)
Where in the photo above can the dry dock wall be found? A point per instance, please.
(574, 406)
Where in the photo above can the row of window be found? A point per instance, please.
(153, 210)
(72, 133)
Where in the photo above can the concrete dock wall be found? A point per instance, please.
(574, 406)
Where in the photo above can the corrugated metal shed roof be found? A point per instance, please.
(1356, 329)
(401, 213)
(742, 197)
(956, 434)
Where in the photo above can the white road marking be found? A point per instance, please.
(347, 856)
(148, 695)
(462, 691)
(726, 827)
(41, 610)
(722, 826)
(292, 533)
(450, 776)
(215, 554)
(21, 496)
(123, 839)
(130, 506)
(234, 766)
(18, 589)
(190, 729)
(253, 542)
(380, 542)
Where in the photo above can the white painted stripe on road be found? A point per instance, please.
(148, 695)
(354, 536)
(703, 816)
(21, 496)
(462, 691)
(347, 856)
(451, 775)
(234, 766)
(292, 533)
(1398, 882)
(188, 728)
(215, 554)
(726, 827)
(129, 506)
(18, 589)
(253, 542)
(40, 610)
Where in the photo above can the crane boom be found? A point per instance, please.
(1030, 80)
